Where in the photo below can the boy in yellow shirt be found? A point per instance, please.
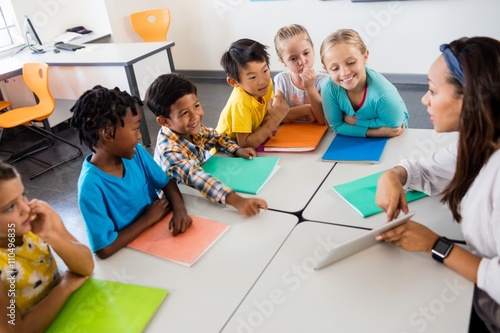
(252, 112)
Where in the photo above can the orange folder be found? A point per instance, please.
(185, 248)
(296, 137)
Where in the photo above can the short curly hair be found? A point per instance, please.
(99, 108)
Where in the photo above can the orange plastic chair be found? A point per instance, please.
(151, 25)
(4, 105)
(35, 75)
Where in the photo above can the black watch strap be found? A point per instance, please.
(441, 249)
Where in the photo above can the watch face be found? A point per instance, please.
(441, 246)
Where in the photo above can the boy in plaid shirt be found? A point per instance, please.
(183, 142)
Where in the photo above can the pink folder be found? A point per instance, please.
(185, 248)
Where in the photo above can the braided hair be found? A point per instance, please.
(99, 108)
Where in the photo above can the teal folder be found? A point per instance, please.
(108, 306)
(240, 174)
(360, 194)
(355, 149)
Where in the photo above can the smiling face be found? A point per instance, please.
(185, 116)
(298, 54)
(255, 79)
(441, 101)
(346, 66)
(14, 208)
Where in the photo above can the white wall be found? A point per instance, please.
(403, 36)
(51, 18)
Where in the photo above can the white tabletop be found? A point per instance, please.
(381, 289)
(10, 67)
(98, 54)
(298, 178)
(203, 297)
(328, 206)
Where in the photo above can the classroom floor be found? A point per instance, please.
(59, 186)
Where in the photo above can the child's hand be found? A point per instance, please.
(179, 223)
(349, 120)
(44, 218)
(308, 77)
(387, 132)
(71, 281)
(156, 211)
(247, 153)
(310, 116)
(246, 206)
(277, 108)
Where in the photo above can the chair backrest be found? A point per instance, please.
(151, 25)
(36, 77)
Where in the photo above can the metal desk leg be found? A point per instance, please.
(134, 91)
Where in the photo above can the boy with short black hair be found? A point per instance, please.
(251, 113)
(183, 142)
(119, 179)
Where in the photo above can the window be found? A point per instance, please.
(9, 32)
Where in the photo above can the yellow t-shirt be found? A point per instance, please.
(34, 269)
(243, 113)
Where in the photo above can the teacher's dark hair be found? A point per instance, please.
(479, 124)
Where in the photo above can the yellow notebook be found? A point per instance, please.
(296, 137)
(185, 248)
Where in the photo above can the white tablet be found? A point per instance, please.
(361, 242)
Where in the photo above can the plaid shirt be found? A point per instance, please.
(182, 159)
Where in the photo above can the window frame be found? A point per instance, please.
(14, 37)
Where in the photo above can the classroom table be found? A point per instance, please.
(328, 206)
(203, 297)
(129, 66)
(381, 289)
(296, 181)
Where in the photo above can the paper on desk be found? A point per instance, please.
(67, 36)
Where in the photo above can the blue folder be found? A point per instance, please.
(355, 149)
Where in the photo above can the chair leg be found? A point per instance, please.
(49, 135)
(38, 146)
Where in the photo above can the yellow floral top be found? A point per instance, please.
(34, 269)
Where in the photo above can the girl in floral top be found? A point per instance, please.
(32, 292)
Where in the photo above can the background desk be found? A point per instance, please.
(382, 289)
(129, 66)
(294, 184)
(203, 297)
(328, 206)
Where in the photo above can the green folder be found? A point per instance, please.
(360, 194)
(240, 174)
(108, 306)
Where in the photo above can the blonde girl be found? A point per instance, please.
(300, 85)
(357, 100)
